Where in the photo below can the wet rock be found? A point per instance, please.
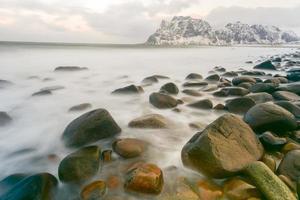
(224, 147)
(194, 93)
(80, 107)
(253, 73)
(288, 182)
(150, 80)
(39, 186)
(162, 101)
(210, 88)
(219, 69)
(197, 125)
(153, 121)
(267, 182)
(245, 85)
(90, 127)
(234, 91)
(42, 93)
(290, 165)
(271, 142)
(293, 87)
(202, 104)
(290, 146)
(238, 189)
(80, 165)
(144, 178)
(291, 107)
(5, 119)
(270, 117)
(239, 105)
(170, 88)
(270, 162)
(242, 79)
(219, 107)
(261, 97)
(267, 65)
(282, 79)
(7, 183)
(93, 191)
(131, 89)
(69, 68)
(263, 87)
(230, 74)
(129, 147)
(195, 84)
(286, 96)
(213, 77)
(274, 81)
(208, 190)
(194, 76)
(106, 156)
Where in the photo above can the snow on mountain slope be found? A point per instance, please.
(189, 31)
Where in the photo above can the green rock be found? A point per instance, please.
(80, 165)
(267, 182)
(36, 187)
(90, 127)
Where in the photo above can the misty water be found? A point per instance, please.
(32, 142)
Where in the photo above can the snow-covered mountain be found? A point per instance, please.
(189, 31)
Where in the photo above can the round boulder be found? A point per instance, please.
(153, 121)
(239, 105)
(129, 147)
(286, 96)
(290, 165)
(202, 104)
(242, 79)
(162, 100)
(170, 88)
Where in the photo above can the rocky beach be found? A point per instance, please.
(211, 123)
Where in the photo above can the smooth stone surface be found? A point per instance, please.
(289, 106)
(170, 88)
(153, 121)
(80, 165)
(270, 117)
(131, 89)
(195, 84)
(234, 91)
(162, 101)
(261, 97)
(90, 127)
(10, 181)
(292, 87)
(213, 77)
(194, 76)
(290, 165)
(271, 142)
(144, 178)
(129, 147)
(80, 107)
(202, 104)
(263, 87)
(267, 182)
(243, 79)
(239, 105)
(267, 65)
(191, 92)
(93, 191)
(286, 96)
(224, 148)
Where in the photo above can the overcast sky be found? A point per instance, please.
(130, 21)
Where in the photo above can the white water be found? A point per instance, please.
(38, 122)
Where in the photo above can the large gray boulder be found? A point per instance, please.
(90, 127)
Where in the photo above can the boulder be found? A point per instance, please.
(272, 142)
(263, 87)
(129, 147)
(290, 165)
(195, 84)
(267, 182)
(230, 74)
(223, 148)
(289, 106)
(144, 178)
(293, 87)
(213, 77)
(80, 166)
(162, 101)
(270, 117)
(153, 121)
(94, 190)
(4, 119)
(245, 85)
(267, 65)
(286, 96)
(131, 89)
(238, 189)
(234, 91)
(170, 88)
(242, 79)
(150, 80)
(194, 76)
(191, 92)
(239, 105)
(253, 73)
(202, 104)
(10, 181)
(80, 107)
(42, 93)
(36, 187)
(260, 97)
(69, 68)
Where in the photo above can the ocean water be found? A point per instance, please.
(38, 122)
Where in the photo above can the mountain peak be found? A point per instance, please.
(185, 30)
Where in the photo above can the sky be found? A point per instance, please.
(130, 21)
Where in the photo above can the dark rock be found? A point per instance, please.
(253, 73)
(213, 77)
(150, 80)
(291, 107)
(80, 107)
(267, 65)
(219, 69)
(90, 127)
(194, 76)
(153, 121)
(245, 85)
(52, 88)
(131, 89)
(293, 87)
(209, 88)
(4, 119)
(290, 165)
(42, 93)
(263, 87)
(195, 84)
(36, 187)
(219, 107)
(69, 68)
(242, 79)
(129, 147)
(271, 142)
(261, 97)
(224, 148)
(286, 96)
(162, 100)
(170, 88)
(194, 93)
(144, 178)
(239, 105)
(270, 117)
(202, 104)
(230, 74)
(234, 91)
(80, 165)
(7, 183)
